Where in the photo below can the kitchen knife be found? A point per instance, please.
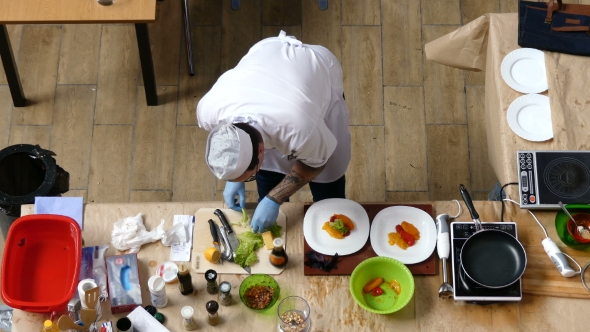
(229, 254)
(215, 234)
(231, 235)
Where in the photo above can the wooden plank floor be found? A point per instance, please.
(417, 126)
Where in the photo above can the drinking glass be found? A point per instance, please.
(585, 276)
(294, 315)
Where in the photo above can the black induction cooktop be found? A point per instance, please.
(464, 288)
(548, 177)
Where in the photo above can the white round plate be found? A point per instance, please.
(385, 222)
(524, 70)
(529, 117)
(320, 212)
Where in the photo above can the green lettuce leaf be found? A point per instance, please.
(339, 226)
(276, 230)
(246, 252)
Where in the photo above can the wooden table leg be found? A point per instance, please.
(187, 37)
(147, 64)
(16, 89)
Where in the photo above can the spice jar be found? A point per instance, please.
(185, 280)
(211, 277)
(225, 296)
(212, 308)
(188, 322)
(278, 257)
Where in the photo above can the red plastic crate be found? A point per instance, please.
(41, 262)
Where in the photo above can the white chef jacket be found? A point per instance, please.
(292, 94)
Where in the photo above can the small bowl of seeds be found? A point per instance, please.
(259, 291)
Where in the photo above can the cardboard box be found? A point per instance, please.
(123, 282)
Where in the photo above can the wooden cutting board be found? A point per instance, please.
(346, 264)
(202, 240)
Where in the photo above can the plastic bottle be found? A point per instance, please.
(48, 326)
(185, 280)
(157, 289)
(278, 257)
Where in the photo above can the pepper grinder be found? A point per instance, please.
(225, 296)
(188, 322)
(211, 277)
(212, 308)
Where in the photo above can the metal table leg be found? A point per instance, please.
(147, 64)
(187, 38)
(16, 89)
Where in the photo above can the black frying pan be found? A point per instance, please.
(491, 258)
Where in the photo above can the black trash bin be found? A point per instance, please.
(27, 171)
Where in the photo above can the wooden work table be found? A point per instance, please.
(76, 11)
(333, 308)
(139, 12)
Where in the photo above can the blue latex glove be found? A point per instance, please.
(233, 189)
(265, 215)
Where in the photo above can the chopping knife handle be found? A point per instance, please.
(213, 228)
(226, 224)
(468, 202)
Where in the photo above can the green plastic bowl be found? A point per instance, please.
(389, 269)
(260, 280)
(566, 229)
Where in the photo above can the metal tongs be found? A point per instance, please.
(443, 248)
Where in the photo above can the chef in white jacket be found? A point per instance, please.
(278, 117)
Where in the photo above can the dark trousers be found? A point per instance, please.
(266, 181)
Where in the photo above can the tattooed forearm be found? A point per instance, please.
(290, 184)
(298, 177)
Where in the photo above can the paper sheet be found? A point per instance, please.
(72, 207)
(144, 322)
(464, 48)
(182, 252)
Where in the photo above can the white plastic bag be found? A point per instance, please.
(130, 234)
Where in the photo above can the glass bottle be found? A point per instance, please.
(225, 297)
(188, 322)
(185, 280)
(278, 257)
(212, 308)
(211, 277)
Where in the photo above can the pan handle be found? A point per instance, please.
(470, 207)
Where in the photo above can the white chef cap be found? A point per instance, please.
(229, 151)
